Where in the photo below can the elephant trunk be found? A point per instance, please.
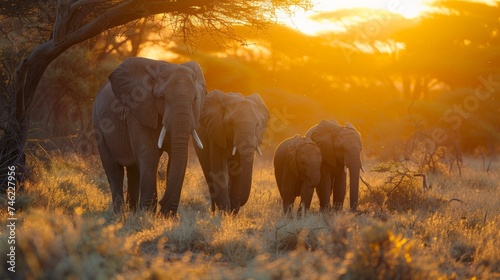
(246, 145)
(353, 163)
(180, 130)
(314, 177)
(246, 178)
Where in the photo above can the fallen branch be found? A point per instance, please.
(456, 199)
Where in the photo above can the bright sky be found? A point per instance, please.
(301, 20)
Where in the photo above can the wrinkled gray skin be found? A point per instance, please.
(297, 168)
(142, 100)
(340, 147)
(230, 123)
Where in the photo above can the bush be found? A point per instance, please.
(58, 246)
(400, 189)
(384, 255)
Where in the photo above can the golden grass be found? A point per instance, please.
(65, 230)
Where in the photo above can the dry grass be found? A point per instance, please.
(65, 231)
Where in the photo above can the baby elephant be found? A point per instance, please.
(297, 167)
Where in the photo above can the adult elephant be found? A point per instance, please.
(340, 147)
(297, 168)
(231, 129)
(147, 107)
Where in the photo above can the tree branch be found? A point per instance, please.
(61, 21)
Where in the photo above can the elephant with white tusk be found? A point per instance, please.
(340, 147)
(231, 129)
(145, 108)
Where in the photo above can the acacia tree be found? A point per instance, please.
(78, 20)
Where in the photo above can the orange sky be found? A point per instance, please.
(301, 20)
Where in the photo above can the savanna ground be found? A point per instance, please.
(65, 229)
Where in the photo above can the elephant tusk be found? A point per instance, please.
(234, 150)
(162, 137)
(259, 151)
(197, 139)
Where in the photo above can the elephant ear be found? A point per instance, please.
(212, 117)
(324, 135)
(263, 114)
(200, 78)
(349, 138)
(201, 87)
(291, 154)
(132, 83)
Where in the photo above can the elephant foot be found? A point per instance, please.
(166, 211)
(150, 207)
(356, 211)
(235, 211)
(221, 207)
(301, 213)
(325, 208)
(224, 209)
(337, 206)
(354, 208)
(168, 214)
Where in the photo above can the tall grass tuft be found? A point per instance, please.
(60, 246)
(381, 254)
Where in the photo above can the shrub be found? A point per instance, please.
(401, 189)
(58, 246)
(385, 255)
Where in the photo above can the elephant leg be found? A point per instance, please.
(324, 188)
(234, 170)
(133, 179)
(289, 189)
(219, 191)
(306, 194)
(204, 159)
(288, 202)
(114, 173)
(147, 181)
(339, 186)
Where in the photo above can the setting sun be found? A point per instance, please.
(303, 20)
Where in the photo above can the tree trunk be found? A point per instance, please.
(26, 80)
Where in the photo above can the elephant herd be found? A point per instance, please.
(147, 107)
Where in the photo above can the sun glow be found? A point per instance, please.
(302, 20)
